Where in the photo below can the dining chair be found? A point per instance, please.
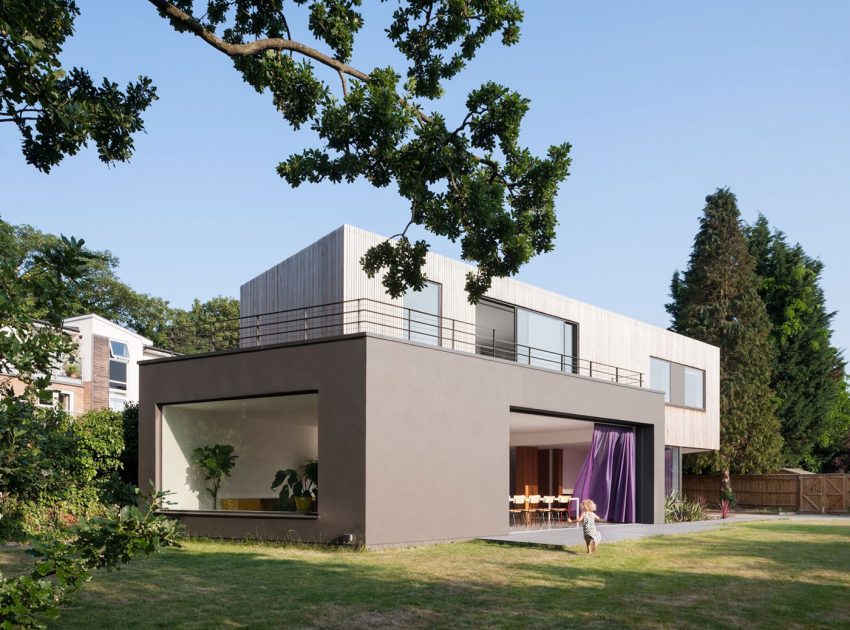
(561, 510)
(531, 508)
(516, 507)
(546, 509)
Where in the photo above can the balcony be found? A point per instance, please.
(365, 315)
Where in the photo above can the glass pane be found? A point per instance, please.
(494, 330)
(267, 435)
(422, 314)
(659, 376)
(119, 349)
(118, 374)
(694, 388)
(540, 339)
(571, 360)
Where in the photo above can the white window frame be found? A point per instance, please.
(55, 398)
(121, 358)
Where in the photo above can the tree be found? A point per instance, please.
(807, 372)
(32, 453)
(716, 300)
(209, 325)
(469, 181)
(56, 111)
(206, 326)
(99, 290)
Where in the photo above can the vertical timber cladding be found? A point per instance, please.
(527, 470)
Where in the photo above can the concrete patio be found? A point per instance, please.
(612, 532)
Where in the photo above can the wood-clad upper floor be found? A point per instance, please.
(329, 271)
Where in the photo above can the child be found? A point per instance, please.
(588, 519)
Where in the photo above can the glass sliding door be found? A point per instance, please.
(494, 330)
(422, 314)
(545, 341)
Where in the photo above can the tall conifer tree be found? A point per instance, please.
(716, 300)
(808, 371)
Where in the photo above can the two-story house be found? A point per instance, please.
(425, 412)
(103, 372)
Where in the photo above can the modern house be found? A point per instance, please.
(425, 412)
(103, 373)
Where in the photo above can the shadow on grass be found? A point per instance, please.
(646, 583)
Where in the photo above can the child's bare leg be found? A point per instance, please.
(593, 546)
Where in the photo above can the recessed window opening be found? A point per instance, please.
(683, 386)
(266, 437)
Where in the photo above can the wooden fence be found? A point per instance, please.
(794, 493)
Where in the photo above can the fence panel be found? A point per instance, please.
(802, 493)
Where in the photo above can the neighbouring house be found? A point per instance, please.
(104, 371)
(425, 412)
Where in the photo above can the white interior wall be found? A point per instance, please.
(265, 442)
(574, 457)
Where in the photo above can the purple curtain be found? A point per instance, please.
(608, 474)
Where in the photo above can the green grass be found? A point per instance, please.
(757, 575)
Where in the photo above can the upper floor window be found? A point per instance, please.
(119, 356)
(683, 386)
(518, 334)
(422, 314)
(545, 340)
(118, 349)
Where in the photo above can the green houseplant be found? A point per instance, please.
(215, 462)
(302, 486)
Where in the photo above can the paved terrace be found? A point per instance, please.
(612, 532)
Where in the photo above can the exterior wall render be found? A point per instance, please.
(333, 368)
(413, 440)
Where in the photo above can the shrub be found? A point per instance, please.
(60, 469)
(677, 509)
(64, 565)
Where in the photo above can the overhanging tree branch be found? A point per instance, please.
(252, 48)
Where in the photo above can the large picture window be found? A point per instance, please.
(267, 435)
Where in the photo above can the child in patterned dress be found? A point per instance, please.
(588, 519)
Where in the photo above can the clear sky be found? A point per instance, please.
(663, 102)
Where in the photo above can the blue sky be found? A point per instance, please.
(663, 102)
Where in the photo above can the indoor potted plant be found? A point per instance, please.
(302, 487)
(215, 462)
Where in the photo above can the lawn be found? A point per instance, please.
(771, 574)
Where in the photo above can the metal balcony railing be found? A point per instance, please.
(365, 315)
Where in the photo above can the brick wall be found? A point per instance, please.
(100, 373)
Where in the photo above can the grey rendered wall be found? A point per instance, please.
(334, 369)
(437, 438)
